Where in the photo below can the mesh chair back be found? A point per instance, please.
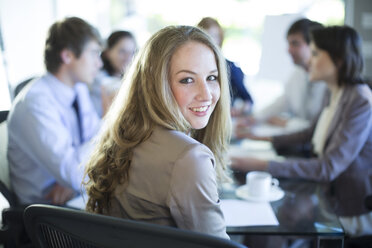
(57, 227)
(52, 237)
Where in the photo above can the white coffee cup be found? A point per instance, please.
(259, 184)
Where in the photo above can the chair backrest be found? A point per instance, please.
(57, 227)
(3, 115)
(22, 85)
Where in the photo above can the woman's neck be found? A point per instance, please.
(336, 90)
(333, 85)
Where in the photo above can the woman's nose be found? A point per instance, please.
(204, 91)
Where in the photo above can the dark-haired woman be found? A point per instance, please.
(342, 136)
(118, 55)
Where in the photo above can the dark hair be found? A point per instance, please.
(72, 33)
(112, 40)
(343, 44)
(303, 26)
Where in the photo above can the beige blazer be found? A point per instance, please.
(172, 182)
(346, 163)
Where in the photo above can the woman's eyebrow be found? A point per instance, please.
(186, 71)
(191, 72)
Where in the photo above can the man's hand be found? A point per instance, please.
(59, 195)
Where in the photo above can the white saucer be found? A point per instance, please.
(276, 193)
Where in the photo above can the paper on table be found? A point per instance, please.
(253, 148)
(245, 213)
(241, 150)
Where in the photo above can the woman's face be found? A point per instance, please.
(121, 54)
(321, 66)
(194, 82)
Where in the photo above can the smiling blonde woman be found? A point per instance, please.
(162, 152)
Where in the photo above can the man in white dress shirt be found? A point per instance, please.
(301, 99)
(52, 121)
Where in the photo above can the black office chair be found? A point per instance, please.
(21, 85)
(3, 115)
(13, 232)
(58, 227)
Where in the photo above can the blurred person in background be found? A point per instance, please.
(52, 120)
(301, 99)
(342, 136)
(241, 100)
(120, 49)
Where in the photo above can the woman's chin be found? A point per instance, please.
(198, 126)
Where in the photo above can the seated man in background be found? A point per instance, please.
(52, 120)
(301, 99)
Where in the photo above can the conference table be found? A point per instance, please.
(302, 211)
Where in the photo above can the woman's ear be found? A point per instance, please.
(66, 56)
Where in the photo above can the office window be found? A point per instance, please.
(243, 20)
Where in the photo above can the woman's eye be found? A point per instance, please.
(212, 78)
(186, 80)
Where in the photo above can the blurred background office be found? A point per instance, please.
(255, 32)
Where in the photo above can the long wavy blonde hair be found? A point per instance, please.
(145, 101)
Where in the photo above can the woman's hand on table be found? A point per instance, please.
(248, 164)
(241, 134)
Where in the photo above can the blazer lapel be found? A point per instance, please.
(337, 116)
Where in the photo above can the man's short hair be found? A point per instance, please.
(72, 33)
(303, 26)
